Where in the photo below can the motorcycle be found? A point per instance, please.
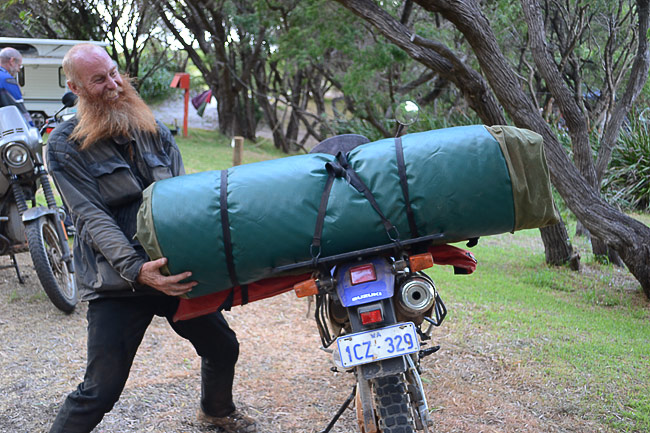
(375, 311)
(24, 224)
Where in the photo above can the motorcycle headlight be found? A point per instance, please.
(16, 155)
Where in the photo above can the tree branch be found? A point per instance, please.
(471, 83)
(636, 81)
(573, 115)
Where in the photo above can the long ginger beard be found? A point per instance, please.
(101, 117)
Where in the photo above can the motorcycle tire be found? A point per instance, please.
(46, 251)
(394, 412)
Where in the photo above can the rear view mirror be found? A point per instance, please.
(69, 99)
(407, 113)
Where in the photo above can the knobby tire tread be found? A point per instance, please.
(392, 403)
(36, 243)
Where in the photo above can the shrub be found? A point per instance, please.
(627, 183)
(155, 87)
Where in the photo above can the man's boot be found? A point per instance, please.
(217, 407)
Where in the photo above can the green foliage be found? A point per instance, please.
(155, 87)
(432, 120)
(644, 98)
(369, 74)
(628, 179)
(315, 30)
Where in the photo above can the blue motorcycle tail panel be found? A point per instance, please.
(357, 294)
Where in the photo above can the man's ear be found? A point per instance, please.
(73, 87)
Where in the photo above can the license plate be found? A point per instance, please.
(378, 344)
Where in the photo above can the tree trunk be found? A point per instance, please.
(557, 247)
(225, 108)
(605, 254)
(269, 110)
(225, 64)
(581, 230)
(435, 56)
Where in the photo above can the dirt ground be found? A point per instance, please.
(283, 378)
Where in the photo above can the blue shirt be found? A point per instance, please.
(7, 81)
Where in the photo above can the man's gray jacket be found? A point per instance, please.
(102, 189)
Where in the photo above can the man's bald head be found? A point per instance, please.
(77, 57)
(11, 60)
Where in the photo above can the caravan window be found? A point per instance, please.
(21, 76)
(61, 77)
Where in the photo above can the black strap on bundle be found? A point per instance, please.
(244, 294)
(341, 168)
(227, 304)
(315, 248)
(227, 246)
(225, 227)
(230, 300)
(401, 169)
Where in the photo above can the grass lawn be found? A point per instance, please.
(208, 150)
(586, 333)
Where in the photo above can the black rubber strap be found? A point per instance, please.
(401, 169)
(230, 300)
(244, 294)
(360, 186)
(341, 168)
(227, 304)
(225, 227)
(320, 219)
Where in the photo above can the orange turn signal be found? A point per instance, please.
(306, 288)
(420, 261)
(64, 232)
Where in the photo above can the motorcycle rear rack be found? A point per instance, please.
(362, 253)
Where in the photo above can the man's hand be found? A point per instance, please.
(150, 275)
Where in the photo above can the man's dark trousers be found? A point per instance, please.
(116, 327)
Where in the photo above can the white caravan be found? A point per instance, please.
(41, 78)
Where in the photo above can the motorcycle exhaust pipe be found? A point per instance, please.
(416, 297)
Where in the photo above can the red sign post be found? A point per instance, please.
(181, 80)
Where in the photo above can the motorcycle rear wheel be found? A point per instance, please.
(392, 402)
(46, 251)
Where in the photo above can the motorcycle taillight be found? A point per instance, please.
(362, 274)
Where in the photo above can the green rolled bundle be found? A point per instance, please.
(240, 225)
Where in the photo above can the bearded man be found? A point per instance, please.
(101, 161)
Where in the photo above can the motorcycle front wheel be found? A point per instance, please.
(393, 405)
(47, 252)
